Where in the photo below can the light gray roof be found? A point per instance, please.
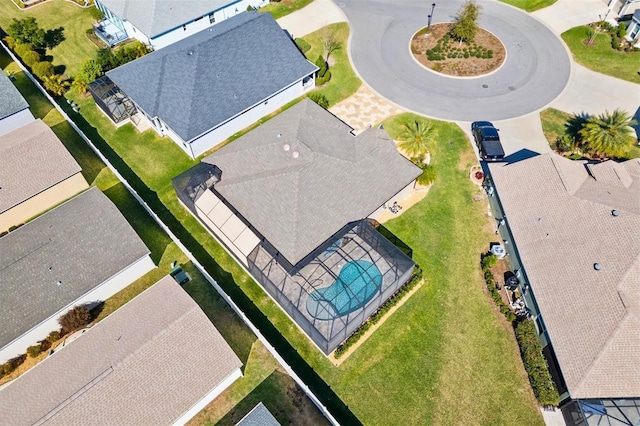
(560, 214)
(155, 17)
(259, 416)
(81, 243)
(32, 159)
(298, 203)
(11, 101)
(200, 82)
(145, 364)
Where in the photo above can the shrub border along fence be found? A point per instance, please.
(535, 364)
(379, 313)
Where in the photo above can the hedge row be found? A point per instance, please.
(487, 262)
(379, 313)
(535, 364)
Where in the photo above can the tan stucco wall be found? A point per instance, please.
(43, 201)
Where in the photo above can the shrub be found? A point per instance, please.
(489, 261)
(320, 63)
(11, 42)
(34, 350)
(76, 318)
(622, 30)
(12, 228)
(55, 84)
(43, 69)
(3, 233)
(96, 14)
(11, 365)
(428, 175)
(322, 80)
(535, 364)
(21, 48)
(320, 99)
(302, 45)
(54, 336)
(31, 58)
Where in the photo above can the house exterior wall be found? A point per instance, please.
(99, 293)
(633, 32)
(43, 201)
(14, 121)
(243, 120)
(208, 398)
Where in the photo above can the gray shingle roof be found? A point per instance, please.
(561, 230)
(258, 416)
(32, 159)
(11, 101)
(81, 243)
(298, 203)
(154, 17)
(200, 82)
(145, 364)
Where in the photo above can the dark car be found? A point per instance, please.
(487, 141)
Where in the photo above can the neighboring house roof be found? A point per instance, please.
(32, 159)
(560, 214)
(11, 101)
(299, 197)
(155, 17)
(147, 363)
(81, 243)
(204, 80)
(259, 416)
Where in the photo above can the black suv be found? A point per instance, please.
(487, 141)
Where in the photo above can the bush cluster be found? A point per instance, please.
(320, 99)
(75, 319)
(11, 365)
(488, 261)
(535, 364)
(324, 74)
(379, 313)
(446, 49)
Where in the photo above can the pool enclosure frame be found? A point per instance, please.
(291, 285)
(111, 100)
(602, 412)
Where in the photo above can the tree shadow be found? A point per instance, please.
(309, 376)
(54, 37)
(59, 69)
(575, 123)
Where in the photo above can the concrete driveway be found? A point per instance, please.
(535, 72)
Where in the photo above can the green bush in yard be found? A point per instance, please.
(535, 364)
(302, 45)
(30, 58)
(322, 80)
(320, 99)
(43, 69)
(34, 350)
(320, 63)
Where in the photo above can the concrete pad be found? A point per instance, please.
(566, 14)
(316, 15)
(593, 93)
(364, 109)
(553, 418)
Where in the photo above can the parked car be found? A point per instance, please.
(487, 141)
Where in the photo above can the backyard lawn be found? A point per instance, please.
(344, 81)
(284, 7)
(69, 55)
(529, 5)
(601, 57)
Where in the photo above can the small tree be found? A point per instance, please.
(330, 43)
(76, 318)
(55, 84)
(43, 69)
(90, 70)
(27, 31)
(465, 25)
(608, 134)
(416, 137)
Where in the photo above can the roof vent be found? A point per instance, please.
(597, 266)
(279, 135)
(286, 147)
(190, 53)
(615, 213)
(59, 282)
(295, 154)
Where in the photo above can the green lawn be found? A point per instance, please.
(529, 5)
(602, 57)
(284, 7)
(69, 55)
(344, 81)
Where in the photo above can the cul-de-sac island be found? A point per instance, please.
(312, 212)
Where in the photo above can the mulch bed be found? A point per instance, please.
(463, 67)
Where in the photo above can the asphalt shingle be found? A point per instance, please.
(11, 101)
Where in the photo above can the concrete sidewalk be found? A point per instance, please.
(316, 15)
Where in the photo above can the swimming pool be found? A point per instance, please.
(356, 284)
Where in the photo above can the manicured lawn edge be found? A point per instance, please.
(529, 5)
(283, 8)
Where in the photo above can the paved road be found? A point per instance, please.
(535, 72)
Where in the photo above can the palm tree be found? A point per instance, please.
(416, 137)
(608, 134)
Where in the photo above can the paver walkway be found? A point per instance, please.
(364, 109)
(316, 15)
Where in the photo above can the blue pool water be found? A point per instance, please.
(356, 284)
